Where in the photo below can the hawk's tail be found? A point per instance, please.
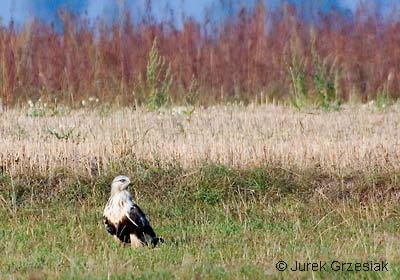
(156, 240)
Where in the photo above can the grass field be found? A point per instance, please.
(233, 190)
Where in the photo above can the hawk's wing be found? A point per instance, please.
(109, 226)
(138, 218)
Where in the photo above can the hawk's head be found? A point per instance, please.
(119, 184)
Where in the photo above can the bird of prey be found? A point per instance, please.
(124, 219)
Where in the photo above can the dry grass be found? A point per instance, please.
(355, 139)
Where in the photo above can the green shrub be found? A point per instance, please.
(158, 80)
(300, 91)
(324, 86)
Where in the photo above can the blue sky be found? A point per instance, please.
(24, 10)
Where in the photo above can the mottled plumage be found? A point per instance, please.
(124, 219)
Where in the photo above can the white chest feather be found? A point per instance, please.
(118, 206)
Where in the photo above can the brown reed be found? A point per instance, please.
(246, 57)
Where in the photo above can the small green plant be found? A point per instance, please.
(188, 113)
(37, 109)
(383, 98)
(41, 108)
(158, 80)
(208, 195)
(61, 135)
(300, 91)
(191, 96)
(325, 88)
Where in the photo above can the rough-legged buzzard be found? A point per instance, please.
(124, 219)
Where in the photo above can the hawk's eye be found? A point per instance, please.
(123, 180)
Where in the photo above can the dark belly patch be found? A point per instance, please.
(125, 228)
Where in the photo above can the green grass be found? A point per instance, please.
(218, 223)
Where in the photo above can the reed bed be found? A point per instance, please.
(355, 56)
(85, 141)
